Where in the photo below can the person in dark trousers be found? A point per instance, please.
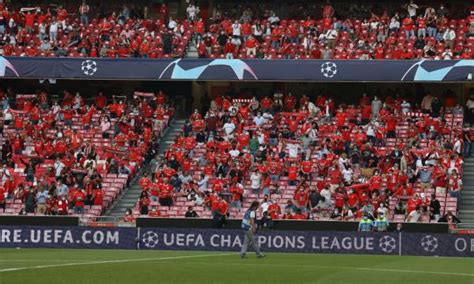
(435, 207)
(191, 213)
(144, 202)
(249, 225)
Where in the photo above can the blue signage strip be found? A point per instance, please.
(231, 240)
(236, 69)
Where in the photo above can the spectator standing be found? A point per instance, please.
(411, 9)
(144, 202)
(84, 13)
(255, 182)
(79, 199)
(53, 30)
(41, 198)
(449, 36)
(434, 208)
(192, 12)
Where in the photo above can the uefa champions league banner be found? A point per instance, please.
(231, 240)
(67, 237)
(236, 69)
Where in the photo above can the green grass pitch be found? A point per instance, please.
(121, 266)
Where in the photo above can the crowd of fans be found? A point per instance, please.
(69, 156)
(415, 32)
(411, 32)
(55, 31)
(310, 159)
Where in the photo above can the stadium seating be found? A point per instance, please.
(35, 134)
(414, 133)
(121, 36)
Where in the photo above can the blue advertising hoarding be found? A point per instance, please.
(231, 240)
(237, 70)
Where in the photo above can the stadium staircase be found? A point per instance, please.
(466, 206)
(130, 196)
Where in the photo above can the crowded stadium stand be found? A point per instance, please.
(312, 159)
(66, 157)
(304, 157)
(248, 30)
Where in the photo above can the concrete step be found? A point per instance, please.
(192, 54)
(130, 197)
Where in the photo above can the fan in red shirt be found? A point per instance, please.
(220, 210)
(339, 198)
(98, 196)
(266, 103)
(154, 212)
(375, 182)
(62, 206)
(413, 203)
(307, 167)
(274, 210)
(289, 102)
(166, 194)
(352, 200)
(237, 192)
(301, 197)
(292, 174)
(79, 199)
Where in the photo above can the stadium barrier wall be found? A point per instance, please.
(39, 220)
(231, 240)
(286, 225)
(237, 70)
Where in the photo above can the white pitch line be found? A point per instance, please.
(335, 267)
(109, 261)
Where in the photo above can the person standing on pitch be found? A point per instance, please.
(249, 227)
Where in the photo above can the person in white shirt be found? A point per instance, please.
(58, 167)
(7, 116)
(105, 126)
(234, 153)
(457, 146)
(236, 29)
(382, 210)
(273, 19)
(42, 31)
(313, 109)
(331, 36)
(53, 30)
(449, 36)
(229, 128)
(411, 8)
(405, 106)
(414, 216)
(5, 173)
(292, 150)
(172, 24)
(259, 120)
(255, 180)
(426, 103)
(327, 203)
(447, 54)
(394, 25)
(202, 183)
(257, 31)
(192, 12)
(347, 174)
